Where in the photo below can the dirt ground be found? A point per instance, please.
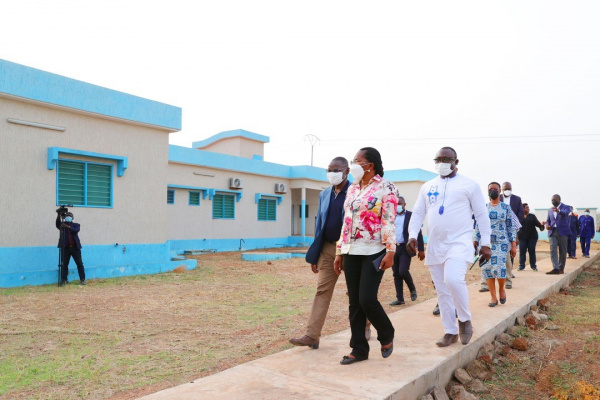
(562, 358)
(125, 337)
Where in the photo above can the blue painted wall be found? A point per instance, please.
(21, 266)
(34, 84)
(237, 244)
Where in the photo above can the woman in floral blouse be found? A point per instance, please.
(368, 235)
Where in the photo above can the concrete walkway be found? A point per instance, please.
(415, 367)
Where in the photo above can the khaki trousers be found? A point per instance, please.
(325, 286)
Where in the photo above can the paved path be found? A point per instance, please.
(416, 365)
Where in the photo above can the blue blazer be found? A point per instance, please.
(516, 205)
(562, 220)
(312, 255)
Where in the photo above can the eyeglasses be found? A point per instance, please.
(357, 163)
(334, 170)
(447, 160)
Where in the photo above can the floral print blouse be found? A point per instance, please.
(369, 216)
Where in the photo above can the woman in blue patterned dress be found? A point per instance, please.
(502, 240)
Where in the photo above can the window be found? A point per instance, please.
(84, 184)
(223, 206)
(170, 196)
(267, 210)
(194, 198)
(305, 211)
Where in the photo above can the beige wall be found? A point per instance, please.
(196, 222)
(237, 146)
(28, 198)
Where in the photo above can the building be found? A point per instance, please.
(139, 200)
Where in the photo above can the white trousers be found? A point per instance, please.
(452, 292)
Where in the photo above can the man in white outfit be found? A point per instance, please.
(449, 201)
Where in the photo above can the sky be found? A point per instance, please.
(513, 86)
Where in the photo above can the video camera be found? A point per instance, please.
(63, 210)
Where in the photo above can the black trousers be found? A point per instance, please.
(572, 246)
(401, 271)
(69, 252)
(527, 246)
(363, 285)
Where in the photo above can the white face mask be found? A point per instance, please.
(444, 169)
(586, 213)
(507, 193)
(335, 178)
(357, 171)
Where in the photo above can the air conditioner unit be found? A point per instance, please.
(280, 188)
(236, 183)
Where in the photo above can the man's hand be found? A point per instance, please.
(513, 250)
(338, 264)
(411, 246)
(485, 253)
(314, 268)
(388, 261)
(63, 225)
(421, 255)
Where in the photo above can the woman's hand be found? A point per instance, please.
(513, 250)
(388, 261)
(338, 264)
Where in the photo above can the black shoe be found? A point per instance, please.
(349, 360)
(561, 271)
(63, 283)
(397, 303)
(83, 282)
(413, 295)
(534, 269)
(484, 290)
(385, 353)
(553, 272)
(436, 310)
(521, 268)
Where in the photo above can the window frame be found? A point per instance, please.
(85, 182)
(232, 196)
(195, 192)
(172, 191)
(267, 200)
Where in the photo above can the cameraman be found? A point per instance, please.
(71, 247)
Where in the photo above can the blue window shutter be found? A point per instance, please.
(170, 196)
(262, 210)
(271, 210)
(223, 206)
(218, 206)
(194, 199)
(71, 183)
(98, 185)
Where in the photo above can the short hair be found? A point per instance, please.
(342, 160)
(494, 183)
(557, 195)
(525, 204)
(400, 197)
(450, 148)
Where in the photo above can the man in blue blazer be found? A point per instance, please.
(575, 228)
(559, 230)
(321, 253)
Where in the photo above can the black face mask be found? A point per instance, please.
(555, 203)
(494, 194)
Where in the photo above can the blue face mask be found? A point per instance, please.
(68, 219)
(400, 209)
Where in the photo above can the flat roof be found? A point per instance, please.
(35, 85)
(230, 134)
